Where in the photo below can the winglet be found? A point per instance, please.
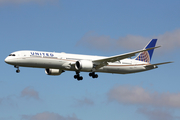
(147, 55)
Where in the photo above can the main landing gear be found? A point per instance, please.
(17, 71)
(93, 75)
(77, 76)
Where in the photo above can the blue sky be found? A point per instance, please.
(96, 27)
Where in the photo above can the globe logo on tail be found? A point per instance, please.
(144, 56)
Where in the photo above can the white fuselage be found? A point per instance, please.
(64, 61)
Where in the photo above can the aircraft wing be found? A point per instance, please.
(103, 62)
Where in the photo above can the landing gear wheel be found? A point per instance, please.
(17, 71)
(90, 74)
(75, 76)
(80, 78)
(93, 75)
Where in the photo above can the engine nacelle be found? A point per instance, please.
(50, 71)
(84, 65)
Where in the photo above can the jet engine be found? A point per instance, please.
(84, 65)
(50, 71)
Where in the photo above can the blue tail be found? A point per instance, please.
(147, 55)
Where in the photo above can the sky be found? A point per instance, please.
(93, 27)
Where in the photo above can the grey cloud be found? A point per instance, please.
(29, 92)
(48, 116)
(168, 41)
(131, 95)
(93, 40)
(157, 114)
(9, 101)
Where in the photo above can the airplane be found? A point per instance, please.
(57, 63)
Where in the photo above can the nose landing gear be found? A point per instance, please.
(17, 71)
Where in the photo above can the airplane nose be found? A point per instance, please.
(10, 61)
(7, 60)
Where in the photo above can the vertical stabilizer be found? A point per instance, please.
(147, 55)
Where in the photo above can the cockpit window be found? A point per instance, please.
(12, 55)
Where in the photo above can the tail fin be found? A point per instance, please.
(147, 55)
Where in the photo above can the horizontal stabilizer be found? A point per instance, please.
(152, 66)
(162, 63)
(158, 64)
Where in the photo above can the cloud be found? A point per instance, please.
(27, 1)
(130, 95)
(29, 92)
(168, 41)
(93, 40)
(84, 102)
(157, 114)
(48, 116)
(9, 101)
